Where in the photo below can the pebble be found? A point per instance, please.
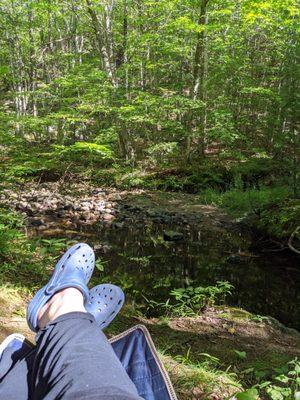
(108, 217)
(35, 221)
(46, 200)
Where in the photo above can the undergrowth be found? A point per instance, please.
(25, 262)
(270, 209)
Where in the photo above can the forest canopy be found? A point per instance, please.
(185, 79)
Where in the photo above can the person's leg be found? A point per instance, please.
(14, 375)
(73, 359)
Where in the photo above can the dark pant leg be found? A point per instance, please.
(74, 360)
(14, 376)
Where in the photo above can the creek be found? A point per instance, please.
(138, 257)
(150, 243)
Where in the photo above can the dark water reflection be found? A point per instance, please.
(137, 258)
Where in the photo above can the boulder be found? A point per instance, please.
(172, 236)
(35, 221)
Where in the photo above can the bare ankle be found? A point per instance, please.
(63, 302)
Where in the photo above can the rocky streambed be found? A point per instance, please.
(44, 205)
(40, 203)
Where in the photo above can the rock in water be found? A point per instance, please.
(172, 236)
(35, 221)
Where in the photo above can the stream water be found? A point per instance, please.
(137, 257)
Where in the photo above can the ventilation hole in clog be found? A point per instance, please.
(111, 298)
(105, 295)
(110, 290)
(119, 302)
(78, 247)
(69, 256)
(83, 255)
(86, 261)
(62, 267)
(104, 288)
(102, 323)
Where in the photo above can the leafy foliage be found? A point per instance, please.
(83, 152)
(19, 257)
(171, 88)
(193, 300)
(283, 385)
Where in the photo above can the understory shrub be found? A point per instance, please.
(23, 261)
(85, 153)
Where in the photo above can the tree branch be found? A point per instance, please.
(290, 242)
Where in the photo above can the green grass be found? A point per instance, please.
(239, 203)
(273, 210)
(197, 379)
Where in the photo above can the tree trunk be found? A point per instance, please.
(104, 40)
(198, 90)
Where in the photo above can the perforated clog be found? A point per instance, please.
(74, 269)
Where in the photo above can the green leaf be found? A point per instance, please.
(100, 265)
(282, 378)
(250, 394)
(241, 354)
(297, 396)
(264, 384)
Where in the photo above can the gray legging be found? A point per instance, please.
(72, 360)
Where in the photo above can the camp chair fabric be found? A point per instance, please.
(134, 348)
(138, 355)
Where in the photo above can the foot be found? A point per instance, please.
(73, 270)
(63, 302)
(105, 302)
